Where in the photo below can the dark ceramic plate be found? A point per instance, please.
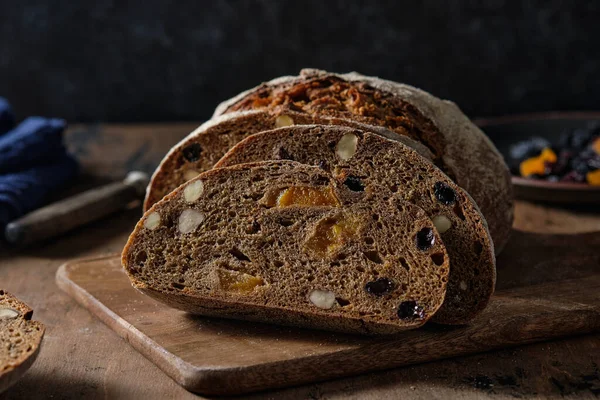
(504, 131)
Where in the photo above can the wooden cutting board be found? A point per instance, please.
(548, 287)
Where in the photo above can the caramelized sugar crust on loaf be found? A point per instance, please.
(284, 242)
(20, 338)
(200, 150)
(373, 160)
(332, 96)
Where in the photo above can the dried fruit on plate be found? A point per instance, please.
(575, 159)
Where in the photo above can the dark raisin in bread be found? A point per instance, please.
(20, 339)
(461, 149)
(359, 159)
(201, 149)
(283, 242)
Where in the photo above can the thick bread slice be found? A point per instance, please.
(201, 149)
(361, 159)
(20, 339)
(461, 149)
(283, 242)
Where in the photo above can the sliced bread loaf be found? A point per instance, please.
(283, 242)
(461, 149)
(20, 339)
(201, 149)
(360, 160)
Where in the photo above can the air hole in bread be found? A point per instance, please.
(286, 222)
(237, 253)
(438, 258)
(278, 263)
(177, 285)
(342, 302)
(458, 211)
(369, 240)
(374, 256)
(404, 263)
(334, 264)
(478, 247)
(220, 241)
(140, 258)
(253, 228)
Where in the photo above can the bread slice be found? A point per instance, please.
(20, 339)
(201, 149)
(461, 149)
(283, 242)
(360, 159)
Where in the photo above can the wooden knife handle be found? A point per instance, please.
(62, 216)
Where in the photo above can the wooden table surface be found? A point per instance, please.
(82, 358)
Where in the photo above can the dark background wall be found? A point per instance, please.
(157, 60)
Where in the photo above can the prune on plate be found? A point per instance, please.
(576, 139)
(573, 176)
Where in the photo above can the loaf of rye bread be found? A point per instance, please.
(460, 149)
(201, 149)
(284, 242)
(20, 339)
(360, 159)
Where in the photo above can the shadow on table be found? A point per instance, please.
(83, 241)
(553, 371)
(57, 387)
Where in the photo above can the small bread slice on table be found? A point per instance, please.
(20, 339)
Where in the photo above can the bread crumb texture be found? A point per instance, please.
(284, 242)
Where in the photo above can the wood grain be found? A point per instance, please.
(83, 358)
(558, 296)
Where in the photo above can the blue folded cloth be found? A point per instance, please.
(33, 162)
(34, 141)
(24, 191)
(7, 117)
